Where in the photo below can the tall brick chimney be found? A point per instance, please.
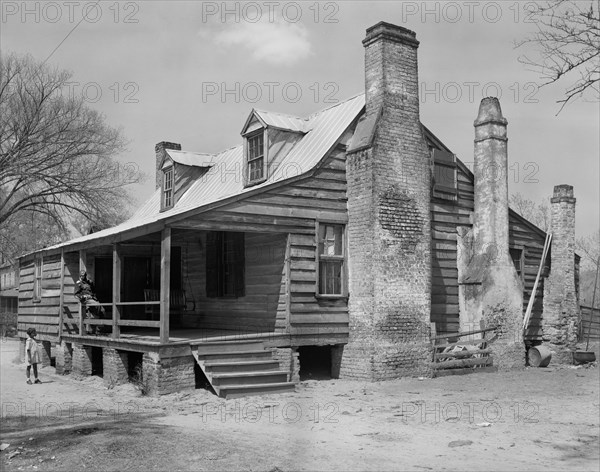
(388, 176)
(560, 313)
(489, 287)
(160, 151)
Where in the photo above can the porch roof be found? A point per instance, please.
(224, 182)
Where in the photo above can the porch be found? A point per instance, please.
(179, 285)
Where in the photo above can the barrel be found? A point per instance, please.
(539, 356)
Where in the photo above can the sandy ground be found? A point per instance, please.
(533, 419)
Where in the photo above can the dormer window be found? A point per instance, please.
(256, 157)
(167, 188)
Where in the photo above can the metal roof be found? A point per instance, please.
(281, 121)
(225, 177)
(191, 158)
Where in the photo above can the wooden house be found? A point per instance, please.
(248, 265)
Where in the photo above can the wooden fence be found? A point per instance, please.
(590, 323)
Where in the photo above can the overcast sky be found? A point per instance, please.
(190, 72)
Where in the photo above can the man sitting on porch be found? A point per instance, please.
(86, 294)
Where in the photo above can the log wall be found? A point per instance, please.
(43, 314)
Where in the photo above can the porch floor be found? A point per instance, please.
(193, 335)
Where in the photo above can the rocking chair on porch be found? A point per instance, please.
(177, 304)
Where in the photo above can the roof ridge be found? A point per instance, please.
(279, 113)
(341, 102)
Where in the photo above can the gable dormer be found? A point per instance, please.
(268, 138)
(176, 170)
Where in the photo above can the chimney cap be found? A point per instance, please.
(563, 193)
(167, 145)
(389, 31)
(490, 112)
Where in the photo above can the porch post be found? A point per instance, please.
(82, 266)
(165, 283)
(116, 292)
(61, 302)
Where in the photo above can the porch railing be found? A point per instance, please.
(117, 322)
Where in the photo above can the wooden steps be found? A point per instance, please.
(241, 368)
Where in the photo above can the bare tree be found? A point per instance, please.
(119, 211)
(589, 249)
(27, 231)
(567, 42)
(56, 153)
(536, 213)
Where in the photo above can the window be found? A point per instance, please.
(225, 264)
(331, 259)
(444, 175)
(256, 157)
(168, 188)
(37, 280)
(516, 255)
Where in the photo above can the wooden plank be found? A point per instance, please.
(459, 354)
(470, 370)
(444, 308)
(460, 343)
(140, 323)
(165, 283)
(464, 333)
(316, 318)
(269, 209)
(299, 252)
(478, 361)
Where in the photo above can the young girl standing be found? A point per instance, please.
(33, 355)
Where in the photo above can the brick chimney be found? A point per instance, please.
(489, 287)
(388, 174)
(559, 319)
(160, 151)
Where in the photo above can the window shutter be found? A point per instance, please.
(240, 264)
(212, 263)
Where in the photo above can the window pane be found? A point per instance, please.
(338, 240)
(330, 240)
(330, 277)
(255, 169)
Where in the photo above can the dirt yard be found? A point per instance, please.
(534, 419)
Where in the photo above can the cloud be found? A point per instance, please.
(276, 42)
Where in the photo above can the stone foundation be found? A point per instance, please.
(45, 348)
(115, 367)
(337, 353)
(82, 360)
(164, 375)
(64, 358)
(289, 362)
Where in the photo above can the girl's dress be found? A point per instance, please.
(31, 345)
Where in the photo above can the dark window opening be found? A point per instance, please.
(516, 255)
(315, 362)
(97, 363)
(445, 180)
(225, 264)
